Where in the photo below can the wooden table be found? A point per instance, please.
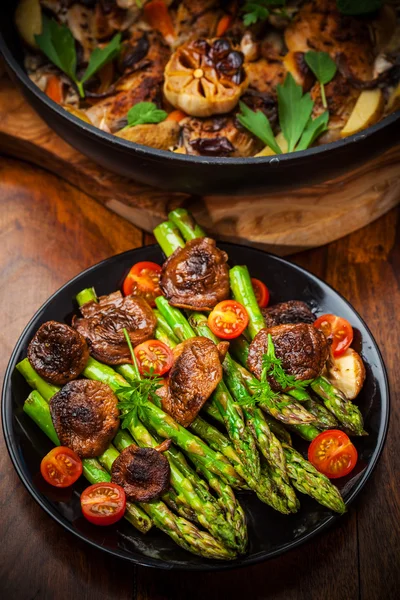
(49, 232)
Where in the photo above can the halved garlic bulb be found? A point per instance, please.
(205, 77)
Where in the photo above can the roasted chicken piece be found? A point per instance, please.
(196, 276)
(293, 311)
(265, 74)
(143, 473)
(194, 375)
(218, 136)
(195, 19)
(58, 353)
(302, 349)
(320, 26)
(85, 416)
(164, 135)
(103, 323)
(142, 83)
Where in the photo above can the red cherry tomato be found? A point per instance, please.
(154, 357)
(143, 280)
(228, 319)
(261, 292)
(336, 329)
(103, 503)
(332, 453)
(61, 467)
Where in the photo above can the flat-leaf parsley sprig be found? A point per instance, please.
(58, 44)
(259, 10)
(272, 367)
(138, 393)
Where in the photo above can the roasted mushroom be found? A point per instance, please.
(293, 311)
(85, 416)
(58, 353)
(347, 373)
(143, 473)
(195, 374)
(205, 77)
(196, 276)
(103, 323)
(302, 349)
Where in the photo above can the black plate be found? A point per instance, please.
(194, 174)
(270, 533)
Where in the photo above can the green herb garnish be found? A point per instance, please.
(145, 112)
(358, 7)
(58, 44)
(323, 67)
(297, 125)
(259, 10)
(138, 393)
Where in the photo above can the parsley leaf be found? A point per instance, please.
(58, 44)
(323, 67)
(145, 112)
(313, 130)
(259, 125)
(258, 10)
(358, 7)
(272, 367)
(294, 110)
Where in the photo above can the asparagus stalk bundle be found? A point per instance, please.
(184, 533)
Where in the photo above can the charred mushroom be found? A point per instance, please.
(85, 416)
(302, 349)
(205, 78)
(195, 374)
(293, 311)
(58, 353)
(103, 323)
(196, 276)
(143, 473)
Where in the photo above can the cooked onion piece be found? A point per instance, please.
(347, 373)
(143, 473)
(205, 78)
(58, 353)
(367, 111)
(85, 416)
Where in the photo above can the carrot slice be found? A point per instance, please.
(54, 89)
(158, 17)
(176, 115)
(223, 25)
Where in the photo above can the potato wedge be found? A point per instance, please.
(162, 135)
(80, 114)
(28, 20)
(367, 111)
(282, 143)
(393, 102)
(347, 373)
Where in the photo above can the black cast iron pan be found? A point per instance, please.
(192, 174)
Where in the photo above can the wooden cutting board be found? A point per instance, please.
(281, 222)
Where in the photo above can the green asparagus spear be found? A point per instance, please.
(168, 237)
(324, 416)
(345, 411)
(309, 481)
(38, 410)
(186, 224)
(243, 292)
(163, 325)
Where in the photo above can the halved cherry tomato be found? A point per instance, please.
(261, 292)
(103, 503)
(153, 357)
(143, 280)
(61, 467)
(337, 330)
(332, 453)
(157, 15)
(54, 89)
(228, 319)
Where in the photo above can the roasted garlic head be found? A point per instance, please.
(205, 77)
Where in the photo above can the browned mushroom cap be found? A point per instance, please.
(103, 323)
(302, 349)
(58, 352)
(143, 473)
(196, 276)
(195, 374)
(85, 416)
(293, 311)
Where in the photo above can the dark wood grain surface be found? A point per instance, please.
(49, 232)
